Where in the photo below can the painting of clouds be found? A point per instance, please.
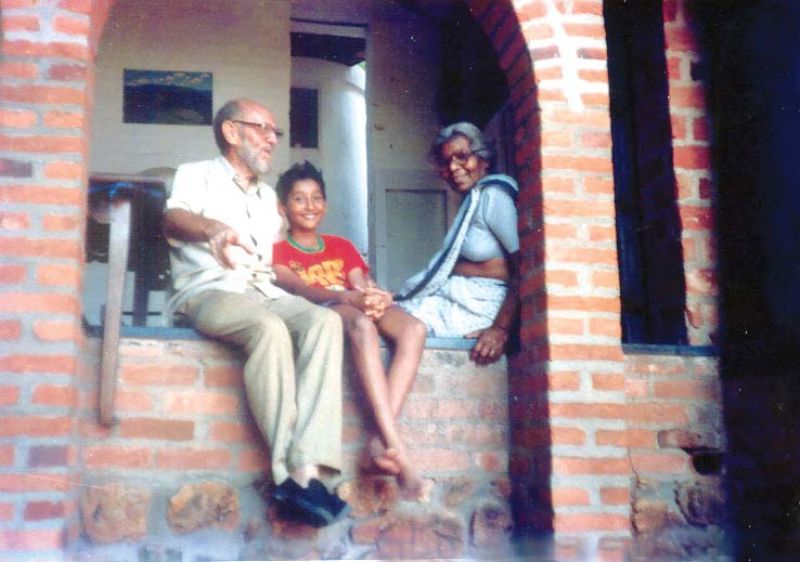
(168, 97)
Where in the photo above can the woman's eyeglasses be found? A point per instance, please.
(264, 128)
(460, 158)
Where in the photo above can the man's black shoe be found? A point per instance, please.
(337, 507)
(313, 506)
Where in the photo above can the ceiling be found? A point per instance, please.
(360, 11)
(343, 47)
(341, 11)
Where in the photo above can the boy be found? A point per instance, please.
(328, 270)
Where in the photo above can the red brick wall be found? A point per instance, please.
(691, 133)
(675, 433)
(180, 406)
(569, 376)
(45, 85)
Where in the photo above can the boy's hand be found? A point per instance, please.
(385, 296)
(355, 299)
(377, 301)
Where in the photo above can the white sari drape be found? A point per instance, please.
(453, 305)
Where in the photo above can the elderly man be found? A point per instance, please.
(221, 221)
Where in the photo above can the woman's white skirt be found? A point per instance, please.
(460, 306)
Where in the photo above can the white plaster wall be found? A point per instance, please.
(342, 153)
(244, 43)
(409, 202)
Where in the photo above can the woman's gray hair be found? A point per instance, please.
(477, 142)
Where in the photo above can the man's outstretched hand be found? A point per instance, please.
(232, 250)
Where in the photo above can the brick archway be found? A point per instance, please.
(562, 129)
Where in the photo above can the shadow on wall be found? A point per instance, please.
(752, 66)
(530, 459)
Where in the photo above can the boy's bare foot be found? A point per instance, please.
(413, 487)
(391, 461)
(377, 457)
(388, 462)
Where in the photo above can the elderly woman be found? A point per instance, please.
(469, 288)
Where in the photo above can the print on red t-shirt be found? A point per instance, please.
(327, 268)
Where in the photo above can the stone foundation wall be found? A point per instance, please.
(677, 445)
(181, 475)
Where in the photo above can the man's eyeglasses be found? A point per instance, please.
(265, 128)
(460, 158)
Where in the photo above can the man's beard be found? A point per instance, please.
(250, 156)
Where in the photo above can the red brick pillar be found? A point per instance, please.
(691, 139)
(45, 84)
(570, 460)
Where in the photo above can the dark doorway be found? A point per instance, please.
(652, 284)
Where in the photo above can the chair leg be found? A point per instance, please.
(141, 295)
(118, 244)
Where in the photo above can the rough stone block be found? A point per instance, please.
(289, 530)
(370, 495)
(677, 542)
(502, 486)
(252, 529)
(413, 535)
(458, 490)
(650, 515)
(201, 505)
(113, 513)
(701, 503)
(491, 526)
(689, 440)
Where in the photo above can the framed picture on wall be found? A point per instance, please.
(167, 97)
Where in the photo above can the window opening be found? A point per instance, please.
(652, 283)
(304, 118)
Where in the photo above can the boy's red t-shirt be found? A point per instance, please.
(327, 268)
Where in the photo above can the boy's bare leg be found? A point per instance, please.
(365, 348)
(408, 335)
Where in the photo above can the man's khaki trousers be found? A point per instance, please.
(292, 373)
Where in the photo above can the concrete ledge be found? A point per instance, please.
(659, 349)
(187, 333)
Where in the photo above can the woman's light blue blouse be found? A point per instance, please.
(493, 230)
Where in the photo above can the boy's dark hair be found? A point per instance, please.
(304, 170)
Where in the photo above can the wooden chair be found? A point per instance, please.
(128, 209)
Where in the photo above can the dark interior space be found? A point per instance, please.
(473, 86)
(344, 50)
(652, 286)
(752, 69)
